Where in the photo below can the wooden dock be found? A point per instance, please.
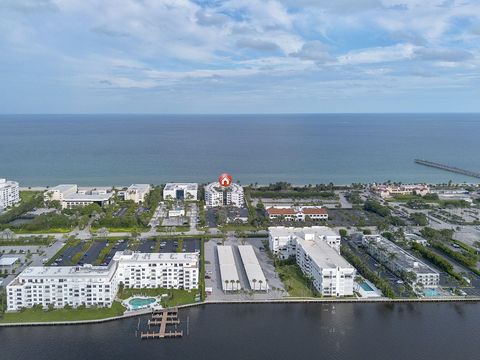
(159, 335)
(162, 318)
(448, 168)
(160, 321)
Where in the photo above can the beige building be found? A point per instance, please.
(137, 192)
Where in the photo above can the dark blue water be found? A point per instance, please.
(276, 332)
(122, 149)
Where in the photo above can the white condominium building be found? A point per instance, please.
(217, 195)
(180, 191)
(61, 286)
(137, 192)
(400, 261)
(158, 270)
(9, 194)
(69, 195)
(317, 253)
(98, 285)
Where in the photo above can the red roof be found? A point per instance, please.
(281, 211)
(314, 211)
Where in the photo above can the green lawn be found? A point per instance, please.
(240, 227)
(122, 229)
(294, 281)
(28, 195)
(181, 228)
(40, 315)
(176, 297)
(46, 231)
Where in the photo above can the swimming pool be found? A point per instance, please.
(140, 303)
(365, 286)
(431, 292)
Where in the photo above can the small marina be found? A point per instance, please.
(163, 318)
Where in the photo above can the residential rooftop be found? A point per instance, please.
(185, 186)
(402, 257)
(322, 254)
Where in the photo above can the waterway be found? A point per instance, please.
(273, 331)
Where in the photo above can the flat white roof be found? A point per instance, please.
(126, 256)
(252, 268)
(62, 187)
(228, 270)
(301, 231)
(67, 271)
(184, 186)
(88, 197)
(7, 183)
(7, 261)
(322, 254)
(139, 187)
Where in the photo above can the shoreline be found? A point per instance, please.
(247, 184)
(254, 302)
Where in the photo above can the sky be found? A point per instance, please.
(239, 56)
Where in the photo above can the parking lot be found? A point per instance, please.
(68, 254)
(92, 253)
(213, 278)
(147, 246)
(144, 246)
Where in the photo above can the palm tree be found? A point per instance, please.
(232, 282)
(260, 282)
(254, 281)
(226, 285)
(238, 284)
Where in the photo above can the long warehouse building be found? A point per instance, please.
(228, 270)
(255, 275)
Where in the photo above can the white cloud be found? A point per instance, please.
(378, 55)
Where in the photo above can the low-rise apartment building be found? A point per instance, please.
(298, 213)
(317, 252)
(400, 262)
(9, 193)
(218, 195)
(137, 192)
(180, 191)
(98, 285)
(158, 270)
(63, 285)
(69, 196)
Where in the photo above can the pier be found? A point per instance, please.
(162, 318)
(448, 168)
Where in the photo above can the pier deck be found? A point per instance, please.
(162, 318)
(448, 168)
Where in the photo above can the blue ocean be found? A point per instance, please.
(301, 149)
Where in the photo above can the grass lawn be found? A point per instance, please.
(28, 195)
(27, 241)
(176, 297)
(240, 227)
(181, 228)
(46, 231)
(40, 315)
(294, 281)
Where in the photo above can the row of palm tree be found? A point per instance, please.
(237, 283)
